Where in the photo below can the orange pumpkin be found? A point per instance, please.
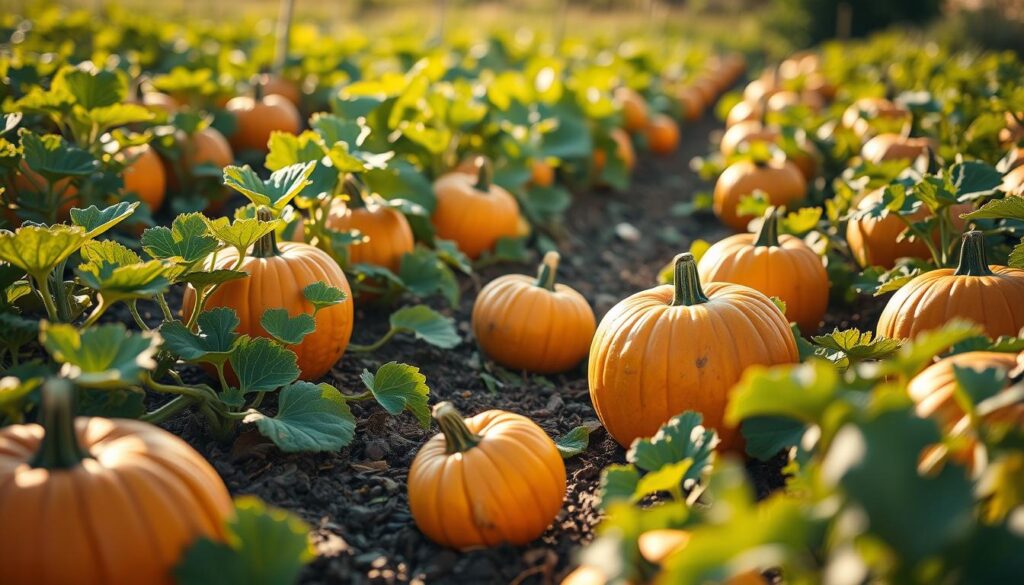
(662, 135)
(744, 112)
(145, 177)
(990, 296)
(676, 347)
(691, 103)
(746, 133)
(1013, 181)
(1013, 132)
(110, 502)
(761, 88)
(634, 109)
(784, 100)
(30, 185)
(858, 115)
(533, 324)
(623, 149)
(286, 88)
(277, 275)
(781, 182)
(259, 116)
(932, 390)
(474, 212)
(389, 236)
(542, 173)
(894, 147)
(491, 479)
(820, 85)
(778, 266)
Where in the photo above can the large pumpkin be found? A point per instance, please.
(473, 211)
(933, 389)
(388, 234)
(990, 296)
(259, 116)
(778, 266)
(780, 181)
(691, 103)
(491, 479)
(894, 147)
(876, 241)
(145, 177)
(94, 501)
(533, 324)
(746, 132)
(277, 275)
(681, 347)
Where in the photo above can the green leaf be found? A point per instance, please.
(980, 385)
(974, 179)
(1016, 259)
(767, 435)
(186, 242)
(282, 186)
(119, 274)
(857, 345)
(264, 546)
(16, 331)
(399, 387)
(95, 89)
(801, 392)
(914, 356)
(425, 274)
(13, 392)
(309, 418)
(574, 442)
(427, 324)
(683, 437)
(203, 279)
(37, 249)
(262, 365)
(667, 478)
(95, 221)
(213, 342)
(119, 115)
(104, 356)
(1006, 208)
(322, 295)
(241, 234)
(508, 250)
(802, 220)
(54, 158)
(288, 330)
(618, 483)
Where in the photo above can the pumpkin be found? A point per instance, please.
(761, 88)
(533, 324)
(857, 114)
(747, 133)
(623, 149)
(634, 109)
(820, 85)
(1014, 130)
(662, 135)
(1013, 160)
(778, 266)
(491, 479)
(473, 211)
(144, 176)
(894, 147)
(30, 185)
(286, 88)
(99, 501)
(744, 111)
(785, 100)
(260, 115)
(990, 296)
(681, 347)
(156, 100)
(277, 275)
(389, 236)
(933, 389)
(205, 147)
(691, 103)
(542, 173)
(780, 181)
(1013, 181)
(707, 88)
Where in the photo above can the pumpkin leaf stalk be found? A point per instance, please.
(768, 235)
(484, 174)
(59, 448)
(354, 192)
(548, 271)
(973, 261)
(688, 291)
(265, 247)
(457, 435)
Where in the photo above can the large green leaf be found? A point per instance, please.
(1006, 208)
(618, 483)
(38, 249)
(427, 325)
(241, 234)
(95, 221)
(119, 274)
(322, 295)
(399, 387)
(425, 274)
(309, 418)
(974, 179)
(275, 192)
(683, 437)
(286, 329)
(802, 392)
(187, 241)
(54, 158)
(213, 341)
(262, 365)
(95, 89)
(104, 356)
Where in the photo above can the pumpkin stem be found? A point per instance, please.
(354, 192)
(687, 282)
(546, 274)
(484, 174)
(59, 448)
(265, 247)
(972, 256)
(768, 235)
(457, 435)
(258, 85)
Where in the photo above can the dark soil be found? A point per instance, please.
(356, 499)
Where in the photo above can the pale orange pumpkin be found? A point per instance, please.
(388, 234)
(778, 266)
(277, 276)
(989, 296)
(681, 347)
(474, 212)
(862, 114)
(542, 173)
(623, 149)
(691, 103)
(780, 181)
(286, 88)
(260, 115)
(491, 479)
(1013, 181)
(634, 109)
(744, 111)
(145, 176)
(746, 133)
(95, 501)
(894, 147)
(533, 324)
(662, 135)
(933, 389)
(785, 100)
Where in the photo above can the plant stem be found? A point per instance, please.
(101, 307)
(358, 397)
(457, 436)
(59, 448)
(926, 238)
(484, 174)
(688, 291)
(265, 247)
(173, 407)
(548, 271)
(164, 308)
(768, 235)
(972, 256)
(134, 310)
(200, 393)
(375, 345)
(43, 284)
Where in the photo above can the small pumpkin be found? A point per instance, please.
(473, 211)
(865, 114)
(533, 324)
(785, 100)
(894, 147)
(623, 149)
(780, 181)
(634, 109)
(681, 347)
(933, 389)
(762, 88)
(662, 135)
(746, 133)
(744, 111)
(145, 177)
(691, 103)
(30, 186)
(542, 173)
(259, 116)
(778, 266)
(286, 88)
(491, 479)
(990, 296)
(277, 275)
(389, 236)
(876, 241)
(93, 500)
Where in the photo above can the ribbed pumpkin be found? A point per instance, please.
(491, 479)
(894, 147)
(634, 109)
(990, 296)
(260, 115)
(778, 266)
(93, 501)
(780, 181)
(277, 275)
(145, 177)
(533, 324)
(932, 390)
(473, 211)
(205, 147)
(681, 347)
(662, 135)
(388, 232)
